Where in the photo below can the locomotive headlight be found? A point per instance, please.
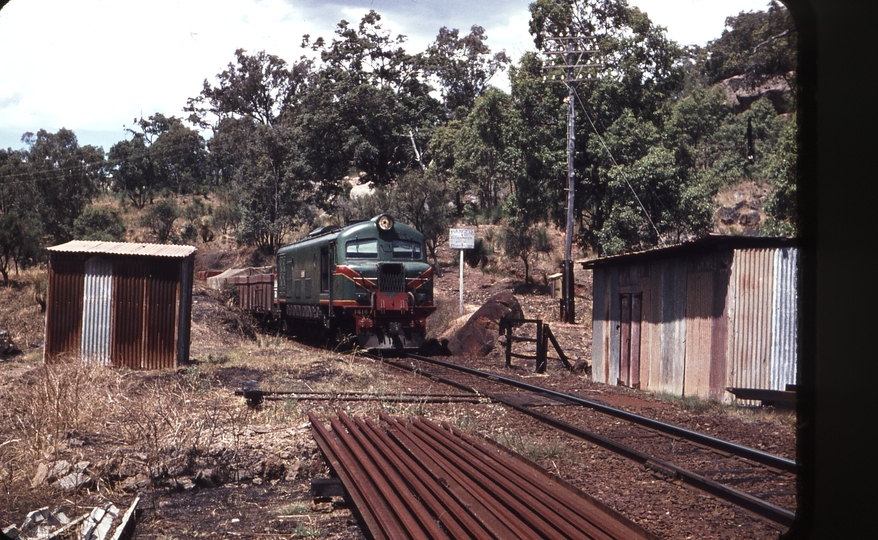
(385, 222)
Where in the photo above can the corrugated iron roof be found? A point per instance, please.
(124, 248)
(706, 243)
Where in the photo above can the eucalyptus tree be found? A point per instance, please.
(487, 152)
(756, 44)
(373, 94)
(179, 151)
(462, 67)
(162, 155)
(134, 174)
(20, 224)
(64, 177)
(252, 112)
(541, 110)
(639, 70)
(780, 170)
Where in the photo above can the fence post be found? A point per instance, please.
(508, 343)
(541, 349)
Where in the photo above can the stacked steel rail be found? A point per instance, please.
(420, 480)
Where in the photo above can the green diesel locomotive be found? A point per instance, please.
(369, 279)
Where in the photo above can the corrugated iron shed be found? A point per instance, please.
(120, 304)
(695, 318)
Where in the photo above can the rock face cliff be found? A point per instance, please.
(741, 91)
(740, 209)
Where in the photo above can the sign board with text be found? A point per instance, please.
(461, 238)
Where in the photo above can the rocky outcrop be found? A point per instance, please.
(741, 92)
(741, 210)
(478, 336)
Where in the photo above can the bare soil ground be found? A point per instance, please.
(208, 465)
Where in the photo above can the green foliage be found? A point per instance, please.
(63, 177)
(21, 229)
(162, 155)
(757, 44)
(99, 223)
(523, 240)
(189, 234)
(780, 205)
(418, 199)
(487, 154)
(462, 66)
(134, 175)
(195, 210)
(19, 242)
(226, 217)
(542, 241)
(478, 256)
(160, 217)
(255, 147)
(654, 141)
(369, 98)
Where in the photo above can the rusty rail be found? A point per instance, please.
(256, 397)
(419, 480)
(758, 456)
(753, 504)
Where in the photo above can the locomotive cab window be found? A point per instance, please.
(362, 249)
(404, 249)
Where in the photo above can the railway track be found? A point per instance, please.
(759, 482)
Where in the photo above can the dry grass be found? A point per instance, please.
(76, 413)
(533, 449)
(20, 311)
(747, 415)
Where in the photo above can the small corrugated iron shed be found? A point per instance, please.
(120, 304)
(693, 319)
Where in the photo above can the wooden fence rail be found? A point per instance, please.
(544, 335)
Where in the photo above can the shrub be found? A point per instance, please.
(99, 223)
(160, 217)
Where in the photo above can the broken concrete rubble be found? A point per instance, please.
(44, 524)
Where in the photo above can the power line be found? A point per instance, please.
(622, 172)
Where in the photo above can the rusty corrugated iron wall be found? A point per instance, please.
(713, 319)
(64, 300)
(109, 307)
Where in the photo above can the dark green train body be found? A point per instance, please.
(370, 279)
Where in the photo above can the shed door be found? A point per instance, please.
(629, 321)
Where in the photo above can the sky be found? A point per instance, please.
(94, 66)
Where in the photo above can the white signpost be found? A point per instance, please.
(461, 239)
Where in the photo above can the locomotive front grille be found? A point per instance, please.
(391, 277)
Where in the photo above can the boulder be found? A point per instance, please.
(7, 347)
(750, 219)
(478, 337)
(727, 215)
(273, 468)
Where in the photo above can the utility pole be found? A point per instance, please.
(573, 52)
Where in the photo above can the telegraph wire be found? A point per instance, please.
(622, 171)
